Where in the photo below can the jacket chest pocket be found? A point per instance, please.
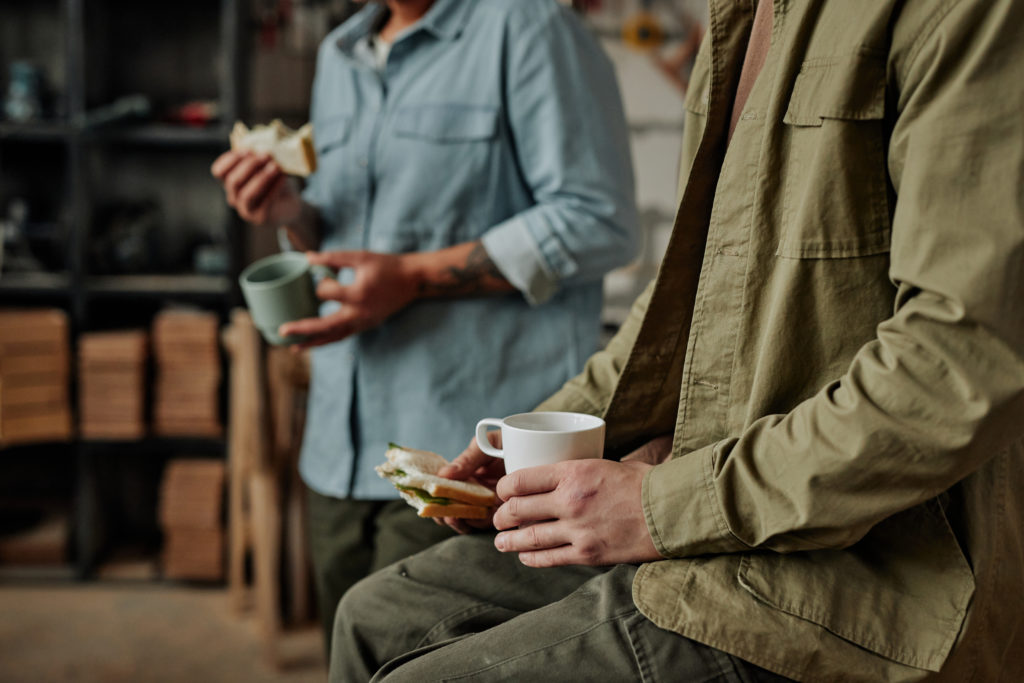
(834, 182)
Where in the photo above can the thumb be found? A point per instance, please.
(335, 259)
(466, 463)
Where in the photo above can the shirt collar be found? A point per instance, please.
(445, 20)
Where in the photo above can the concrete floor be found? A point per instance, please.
(113, 632)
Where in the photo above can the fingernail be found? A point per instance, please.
(499, 542)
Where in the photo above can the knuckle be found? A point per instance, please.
(588, 550)
(516, 480)
(535, 560)
(574, 502)
(515, 505)
(533, 536)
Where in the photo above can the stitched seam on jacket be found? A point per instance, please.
(714, 69)
(839, 58)
(713, 500)
(758, 194)
(928, 31)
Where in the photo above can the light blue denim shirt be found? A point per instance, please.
(492, 120)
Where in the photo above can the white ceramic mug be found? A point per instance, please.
(531, 439)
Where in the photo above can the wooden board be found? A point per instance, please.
(35, 364)
(112, 430)
(46, 325)
(32, 394)
(55, 426)
(127, 346)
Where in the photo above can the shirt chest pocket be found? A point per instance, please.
(444, 161)
(834, 180)
(331, 133)
(447, 124)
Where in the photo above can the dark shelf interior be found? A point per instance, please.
(169, 52)
(45, 131)
(119, 215)
(213, 137)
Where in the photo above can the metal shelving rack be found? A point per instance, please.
(89, 298)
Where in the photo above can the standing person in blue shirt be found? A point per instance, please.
(474, 185)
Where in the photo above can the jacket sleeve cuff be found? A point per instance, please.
(684, 516)
(515, 253)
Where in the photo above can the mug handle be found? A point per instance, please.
(481, 436)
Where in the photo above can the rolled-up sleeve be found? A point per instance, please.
(941, 388)
(565, 116)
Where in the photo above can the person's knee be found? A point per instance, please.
(359, 602)
(362, 618)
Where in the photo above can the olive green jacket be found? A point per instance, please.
(836, 341)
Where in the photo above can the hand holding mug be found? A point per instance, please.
(278, 290)
(543, 438)
(382, 285)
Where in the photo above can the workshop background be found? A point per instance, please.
(150, 515)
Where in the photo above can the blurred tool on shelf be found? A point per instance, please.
(26, 93)
(128, 108)
(28, 245)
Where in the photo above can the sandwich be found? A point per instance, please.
(414, 473)
(292, 149)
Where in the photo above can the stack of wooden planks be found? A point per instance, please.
(191, 503)
(186, 400)
(34, 374)
(112, 384)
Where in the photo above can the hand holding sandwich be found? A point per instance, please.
(258, 189)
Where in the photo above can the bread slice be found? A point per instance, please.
(413, 472)
(460, 510)
(292, 149)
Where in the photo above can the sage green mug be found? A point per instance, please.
(280, 289)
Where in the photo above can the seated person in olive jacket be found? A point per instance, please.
(828, 375)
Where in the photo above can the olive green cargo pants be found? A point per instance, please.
(349, 539)
(463, 611)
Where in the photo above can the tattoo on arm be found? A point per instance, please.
(478, 275)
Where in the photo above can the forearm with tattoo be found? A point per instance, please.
(462, 270)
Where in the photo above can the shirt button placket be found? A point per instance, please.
(366, 163)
